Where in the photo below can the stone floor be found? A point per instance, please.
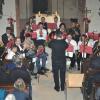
(43, 90)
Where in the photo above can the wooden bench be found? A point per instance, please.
(10, 87)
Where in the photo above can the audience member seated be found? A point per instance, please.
(10, 97)
(19, 91)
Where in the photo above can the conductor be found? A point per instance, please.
(58, 47)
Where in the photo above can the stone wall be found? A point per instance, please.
(9, 10)
(94, 6)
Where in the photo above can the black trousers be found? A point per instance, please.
(40, 42)
(72, 61)
(59, 73)
(81, 59)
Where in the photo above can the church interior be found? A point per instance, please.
(49, 49)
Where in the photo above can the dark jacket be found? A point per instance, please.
(73, 32)
(5, 38)
(2, 49)
(20, 95)
(58, 50)
(45, 25)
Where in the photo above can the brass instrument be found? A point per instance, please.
(97, 49)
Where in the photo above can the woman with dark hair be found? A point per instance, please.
(62, 28)
(82, 54)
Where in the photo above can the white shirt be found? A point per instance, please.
(90, 43)
(73, 43)
(20, 47)
(10, 55)
(58, 24)
(44, 34)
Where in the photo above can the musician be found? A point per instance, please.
(6, 35)
(62, 28)
(71, 54)
(11, 41)
(41, 34)
(75, 31)
(19, 45)
(41, 59)
(29, 53)
(45, 25)
(96, 47)
(52, 35)
(31, 22)
(2, 51)
(24, 32)
(82, 47)
(27, 27)
(9, 58)
(56, 22)
(2, 48)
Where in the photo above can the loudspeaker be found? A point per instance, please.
(40, 5)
